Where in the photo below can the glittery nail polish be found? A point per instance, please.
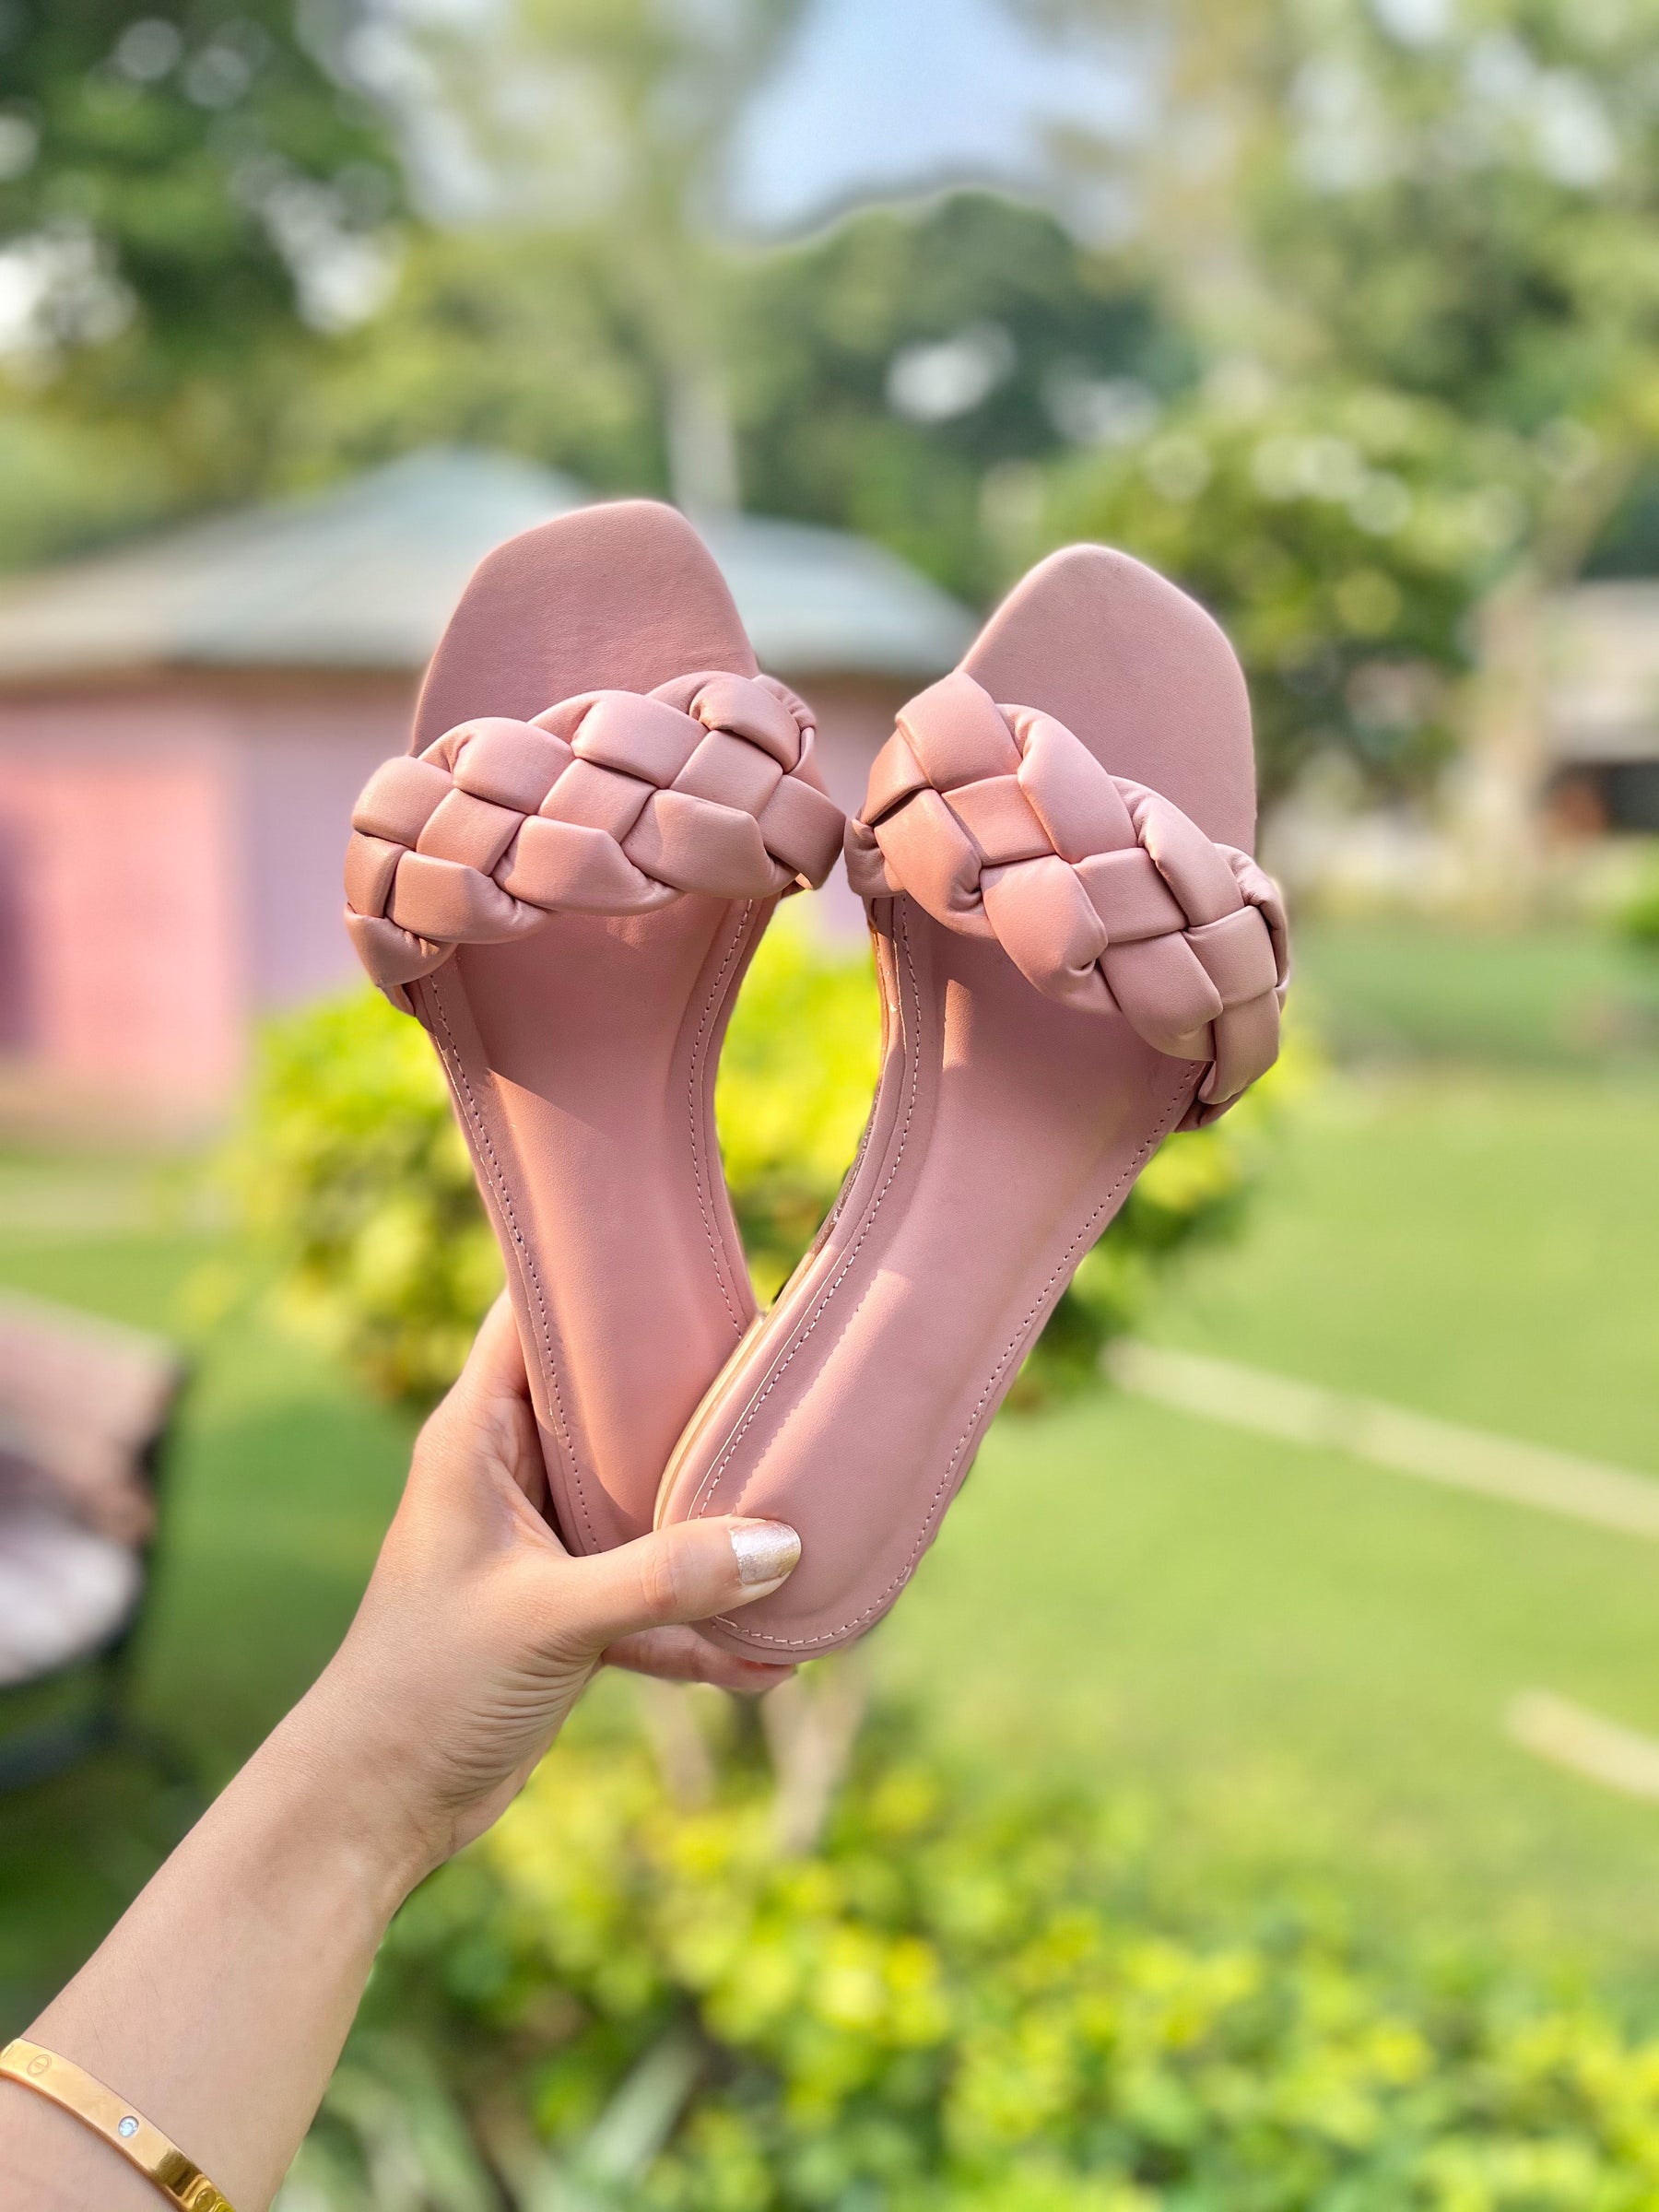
(766, 1551)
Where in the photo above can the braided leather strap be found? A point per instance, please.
(612, 803)
(1002, 824)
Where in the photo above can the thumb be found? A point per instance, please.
(689, 1571)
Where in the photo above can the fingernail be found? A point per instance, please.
(766, 1551)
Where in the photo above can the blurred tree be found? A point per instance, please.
(1628, 546)
(1454, 201)
(1342, 531)
(196, 212)
(604, 125)
(188, 198)
(494, 336)
(900, 373)
(67, 481)
(871, 376)
(896, 374)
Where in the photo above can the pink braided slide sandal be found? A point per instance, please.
(1076, 956)
(564, 881)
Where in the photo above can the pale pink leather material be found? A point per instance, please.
(1002, 824)
(608, 804)
(1009, 1123)
(582, 1054)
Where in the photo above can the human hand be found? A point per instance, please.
(478, 1631)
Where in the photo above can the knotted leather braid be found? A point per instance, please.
(611, 803)
(1002, 824)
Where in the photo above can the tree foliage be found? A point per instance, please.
(187, 197)
(1343, 531)
(1436, 215)
(901, 373)
(605, 125)
(1450, 202)
(893, 375)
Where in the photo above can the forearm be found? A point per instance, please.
(219, 2002)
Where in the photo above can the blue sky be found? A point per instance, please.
(878, 96)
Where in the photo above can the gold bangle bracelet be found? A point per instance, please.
(142, 2146)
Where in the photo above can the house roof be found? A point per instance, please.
(1602, 660)
(365, 575)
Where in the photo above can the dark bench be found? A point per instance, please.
(85, 1411)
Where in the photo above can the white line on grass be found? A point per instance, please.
(1556, 1729)
(1387, 1436)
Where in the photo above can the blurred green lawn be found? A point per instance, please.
(1289, 1652)
(1316, 1653)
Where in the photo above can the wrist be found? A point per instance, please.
(336, 1794)
(269, 1914)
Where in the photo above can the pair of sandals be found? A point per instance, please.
(1076, 954)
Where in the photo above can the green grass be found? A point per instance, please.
(1319, 1652)
(1406, 990)
(1302, 1654)
(1310, 1660)
(1476, 1246)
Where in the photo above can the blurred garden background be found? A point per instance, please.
(1255, 1801)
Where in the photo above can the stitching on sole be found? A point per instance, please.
(947, 1484)
(461, 1085)
(692, 1086)
(712, 1481)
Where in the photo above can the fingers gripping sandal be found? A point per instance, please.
(1002, 824)
(566, 897)
(1076, 956)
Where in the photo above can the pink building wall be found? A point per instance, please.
(119, 945)
(303, 754)
(170, 867)
(170, 861)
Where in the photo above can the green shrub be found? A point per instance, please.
(355, 1192)
(1638, 918)
(794, 1091)
(964, 1997)
(354, 1189)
